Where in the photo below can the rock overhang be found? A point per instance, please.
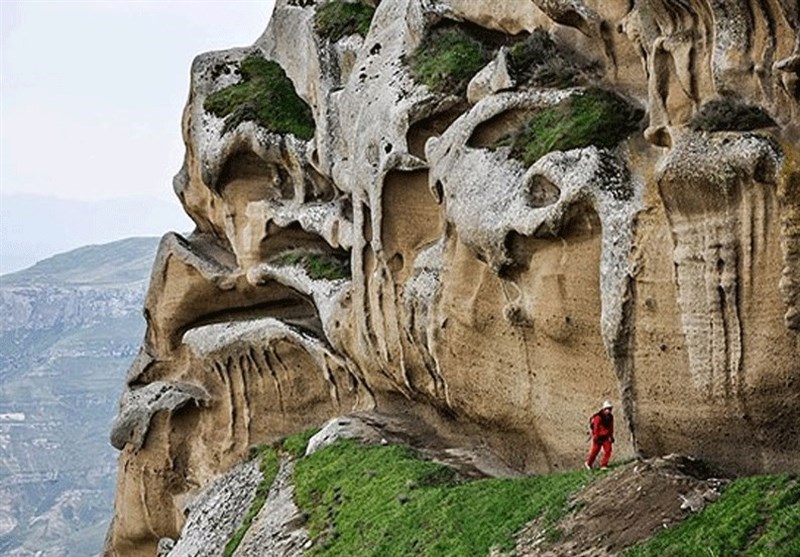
(479, 288)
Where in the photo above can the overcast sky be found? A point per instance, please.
(91, 95)
(92, 91)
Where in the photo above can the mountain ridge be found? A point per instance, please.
(69, 327)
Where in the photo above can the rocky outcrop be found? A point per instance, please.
(605, 207)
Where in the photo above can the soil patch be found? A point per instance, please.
(627, 505)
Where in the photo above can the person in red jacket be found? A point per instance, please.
(602, 429)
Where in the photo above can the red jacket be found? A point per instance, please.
(602, 426)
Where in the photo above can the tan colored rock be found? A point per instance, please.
(485, 298)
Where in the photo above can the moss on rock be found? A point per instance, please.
(447, 59)
(265, 96)
(593, 117)
(338, 19)
(319, 266)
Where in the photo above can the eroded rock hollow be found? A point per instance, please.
(485, 216)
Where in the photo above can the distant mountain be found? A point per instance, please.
(69, 327)
(33, 227)
(117, 263)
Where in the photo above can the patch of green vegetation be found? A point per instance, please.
(319, 266)
(728, 114)
(296, 444)
(538, 61)
(338, 18)
(265, 96)
(269, 465)
(447, 59)
(386, 501)
(593, 117)
(756, 516)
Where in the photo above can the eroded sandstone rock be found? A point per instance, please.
(405, 260)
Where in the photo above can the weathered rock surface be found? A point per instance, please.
(486, 296)
(278, 529)
(215, 513)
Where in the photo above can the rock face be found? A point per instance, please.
(609, 209)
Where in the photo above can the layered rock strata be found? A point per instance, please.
(389, 245)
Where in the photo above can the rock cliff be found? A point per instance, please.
(486, 217)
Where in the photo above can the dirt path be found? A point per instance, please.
(625, 506)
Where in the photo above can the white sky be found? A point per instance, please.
(91, 92)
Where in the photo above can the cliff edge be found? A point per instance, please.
(485, 217)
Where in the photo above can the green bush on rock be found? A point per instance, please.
(319, 266)
(447, 59)
(538, 61)
(592, 117)
(265, 96)
(728, 114)
(338, 19)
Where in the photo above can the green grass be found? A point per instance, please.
(756, 516)
(296, 444)
(385, 501)
(727, 114)
(593, 117)
(447, 59)
(269, 468)
(265, 96)
(319, 266)
(337, 19)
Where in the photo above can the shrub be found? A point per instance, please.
(319, 266)
(265, 96)
(446, 60)
(728, 114)
(338, 19)
(593, 117)
(538, 61)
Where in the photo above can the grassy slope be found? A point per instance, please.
(386, 501)
(756, 516)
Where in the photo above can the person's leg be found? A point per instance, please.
(593, 453)
(607, 445)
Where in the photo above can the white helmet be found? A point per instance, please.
(607, 404)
